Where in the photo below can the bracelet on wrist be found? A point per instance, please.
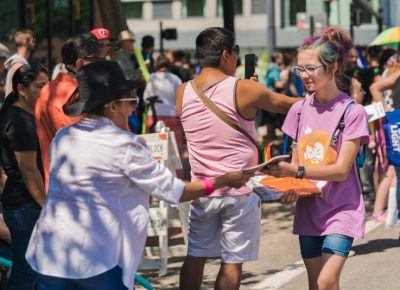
(208, 186)
(300, 172)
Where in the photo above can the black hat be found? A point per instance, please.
(99, 83)
(82, 46)
(147, 41)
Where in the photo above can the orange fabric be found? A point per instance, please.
(49, 114)
(303, 187)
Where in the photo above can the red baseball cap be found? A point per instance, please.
(101, 33)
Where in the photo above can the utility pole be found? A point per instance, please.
(352, 17)
(21, 14)
(229, 15)
(49, 33)
(312, 25)
(271, 30)
(161, 39)
(71, 19)
(327, 8)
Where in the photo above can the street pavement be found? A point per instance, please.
(375, 266)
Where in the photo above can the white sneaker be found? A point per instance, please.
(352, 253)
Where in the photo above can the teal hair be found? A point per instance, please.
(327, 51)
(332, 47)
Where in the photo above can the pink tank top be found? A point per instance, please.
(214, 147)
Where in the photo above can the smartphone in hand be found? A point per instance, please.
(249, 65)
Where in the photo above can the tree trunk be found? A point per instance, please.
(112, 16)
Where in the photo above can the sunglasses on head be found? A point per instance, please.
(37, 66)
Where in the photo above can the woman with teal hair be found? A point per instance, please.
(328, 129)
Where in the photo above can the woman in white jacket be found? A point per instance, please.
(92, 229)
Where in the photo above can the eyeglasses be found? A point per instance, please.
(309, 70)
(236, 48)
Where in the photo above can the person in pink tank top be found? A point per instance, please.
(226, 224)
(328, 129)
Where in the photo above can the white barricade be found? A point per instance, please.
(165, 150)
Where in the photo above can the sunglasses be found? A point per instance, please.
(37, 66)
(236, 48)
(133, 99)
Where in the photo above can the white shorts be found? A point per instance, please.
(226, 227)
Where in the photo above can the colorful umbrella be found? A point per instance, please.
(389, 37)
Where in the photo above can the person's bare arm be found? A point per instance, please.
(11, 72)
(251, 96)
(195, 189)
(30, 174)
(356, 91)
(178, 96)
(378, 87)
(5, 234)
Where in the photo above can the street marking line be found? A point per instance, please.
(280, 278)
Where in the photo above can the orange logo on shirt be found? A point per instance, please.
(314, 149)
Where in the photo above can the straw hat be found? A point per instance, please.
(126, 35)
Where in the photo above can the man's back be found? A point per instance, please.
(49, 114)
(215, 147)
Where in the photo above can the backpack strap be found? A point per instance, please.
(222, 115)
(340, 126)
(298, 120)
(286, 140)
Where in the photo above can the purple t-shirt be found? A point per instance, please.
(340, 210)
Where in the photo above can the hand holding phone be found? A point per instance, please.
(249, 65)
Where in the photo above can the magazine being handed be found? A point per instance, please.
(271, 188)
(273, 161)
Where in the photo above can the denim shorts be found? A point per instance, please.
(314, 246)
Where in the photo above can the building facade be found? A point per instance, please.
(189, 17)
